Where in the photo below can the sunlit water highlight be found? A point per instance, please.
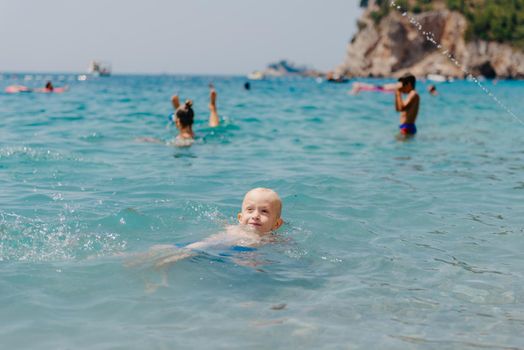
(387, 244)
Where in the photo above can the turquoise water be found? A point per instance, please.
(387, 244)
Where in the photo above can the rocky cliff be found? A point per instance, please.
(398, 44)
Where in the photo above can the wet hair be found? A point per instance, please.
(408, 78)
(49, 85)
(185, 114)
(432, 88)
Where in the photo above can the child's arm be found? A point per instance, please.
(187, 251)
(214, 120)
(400, 105)
(156, 252)
(199, 245)
(175, 101)
(180, 255)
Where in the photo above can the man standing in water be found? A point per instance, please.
(408, 108)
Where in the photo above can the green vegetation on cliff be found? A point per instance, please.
(490, 20)
(493, 20)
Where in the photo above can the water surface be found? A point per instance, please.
(387, 244)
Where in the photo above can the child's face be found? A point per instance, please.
(261, 211)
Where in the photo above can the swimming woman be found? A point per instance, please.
(184, 117)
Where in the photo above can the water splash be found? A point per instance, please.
(65, 238)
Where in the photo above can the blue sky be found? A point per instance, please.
(174, 36)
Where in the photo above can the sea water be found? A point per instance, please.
(386, 244)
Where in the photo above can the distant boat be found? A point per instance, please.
(437, 78)
(99, 68)
(335, 78)
(256, 75)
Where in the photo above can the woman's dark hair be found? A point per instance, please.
(185, 114)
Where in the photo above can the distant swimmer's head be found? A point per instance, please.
(261, 210)
(408, 81)
(432, 89)
(184, 115)
(49, 86)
